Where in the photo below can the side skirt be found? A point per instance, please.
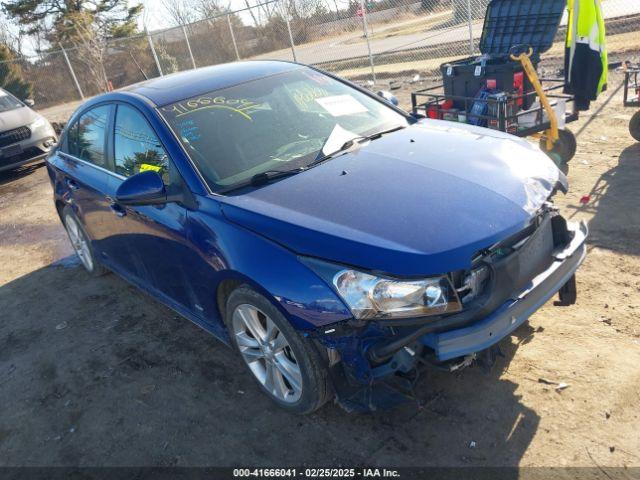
(218, 332)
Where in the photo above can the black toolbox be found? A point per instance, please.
(508, 24)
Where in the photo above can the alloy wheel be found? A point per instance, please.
(267, 352)
(79, 242)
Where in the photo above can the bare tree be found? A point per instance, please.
(184, 12)
(89, 48)
(251, 12)
(212, 8)
(300, 9)
(9, 36)
(180, 12)
(335, 4)
(262, 11)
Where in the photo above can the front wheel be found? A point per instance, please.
(634, 126)
(288, 367)
(563, 150)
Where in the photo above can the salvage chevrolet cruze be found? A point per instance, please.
(337, 243)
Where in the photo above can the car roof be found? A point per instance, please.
(179, 86)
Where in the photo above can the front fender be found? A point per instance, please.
(231, 252)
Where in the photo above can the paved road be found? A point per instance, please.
(352, 46)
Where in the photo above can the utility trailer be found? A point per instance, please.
(632, 96)
(501, 114)
(500, 89)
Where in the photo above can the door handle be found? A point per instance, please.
(72, 185)
(117, 209)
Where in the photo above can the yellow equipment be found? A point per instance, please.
(552, 135)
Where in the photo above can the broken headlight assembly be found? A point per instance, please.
(373, 297)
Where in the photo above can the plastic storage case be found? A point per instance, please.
(507, 24)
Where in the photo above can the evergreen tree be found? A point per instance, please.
(55, 19)
(11, 78)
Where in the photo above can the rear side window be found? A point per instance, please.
(136, 146)
(87, 136)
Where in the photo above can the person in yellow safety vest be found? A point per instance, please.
(586, 64)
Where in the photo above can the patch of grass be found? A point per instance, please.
(421, 24)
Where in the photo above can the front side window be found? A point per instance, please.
(87, 136)
(274, 123)
(136, 146)
(8, 102)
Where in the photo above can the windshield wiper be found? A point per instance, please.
(350, 143)
(265, 177)
(377, 135)
(345, 146)
(261, 179)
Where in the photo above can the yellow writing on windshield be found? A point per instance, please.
(241, 106)
(304, 95)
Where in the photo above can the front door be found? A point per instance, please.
(149, 242)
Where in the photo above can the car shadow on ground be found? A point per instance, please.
(9, 176)
(614, 201)
(94, 372)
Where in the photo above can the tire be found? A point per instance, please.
(279, 362)
(81, 243)
(634, 126)
(563, 150)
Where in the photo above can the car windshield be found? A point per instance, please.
(275, 123)
(8, 102)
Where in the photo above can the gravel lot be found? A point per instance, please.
(94, 372)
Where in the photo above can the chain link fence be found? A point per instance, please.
(376, 42)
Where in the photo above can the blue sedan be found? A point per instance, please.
(337, 243)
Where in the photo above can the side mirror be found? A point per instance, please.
(389, 97)
(29, 102)
(144, 188)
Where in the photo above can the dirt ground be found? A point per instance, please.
(94, 372)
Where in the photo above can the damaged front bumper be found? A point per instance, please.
(366, 379)
(492, 329)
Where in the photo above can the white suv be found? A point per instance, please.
(25, 136)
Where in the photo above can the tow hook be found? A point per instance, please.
(484, 359)
(466, 362)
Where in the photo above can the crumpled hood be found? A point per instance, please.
(18, 117)
(419, 201)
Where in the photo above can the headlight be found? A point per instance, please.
(38, 123)
(369, 296)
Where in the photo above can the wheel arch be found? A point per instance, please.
(225, 288)
(60, 207)
(304, 311)
(231, 280)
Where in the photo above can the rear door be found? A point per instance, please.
(83, 164)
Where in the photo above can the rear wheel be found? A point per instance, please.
(563, 150)
(634, 126)
(287, 366)
(81, 244)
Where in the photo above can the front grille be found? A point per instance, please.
(14, 136)
(29, 153)
(518, 260)
(511, 264)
